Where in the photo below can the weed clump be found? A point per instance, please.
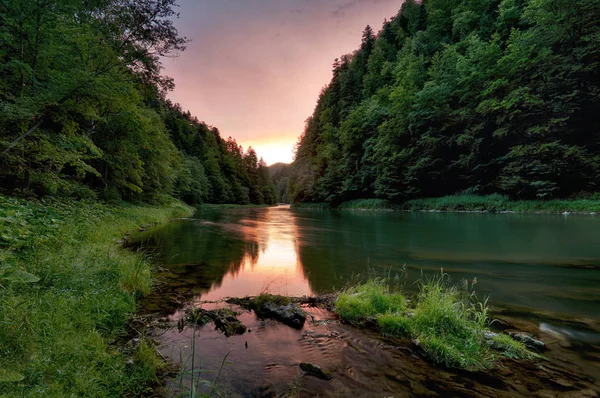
(365, 302)
(510, 348)
(264, 298)
(448, 324)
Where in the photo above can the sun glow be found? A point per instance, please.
(273, 151)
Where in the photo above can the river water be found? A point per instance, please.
(541, 269)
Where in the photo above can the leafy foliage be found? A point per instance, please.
(482, 97)
(83, 111)
(66, 293)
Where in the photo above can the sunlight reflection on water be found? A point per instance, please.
(276, 269)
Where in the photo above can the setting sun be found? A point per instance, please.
(273, 151)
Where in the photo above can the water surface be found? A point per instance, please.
(543, 262)
(541, 273)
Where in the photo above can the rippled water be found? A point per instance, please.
(539, 271)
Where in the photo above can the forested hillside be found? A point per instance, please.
(83, 110)
(281, 173)
(456, 96)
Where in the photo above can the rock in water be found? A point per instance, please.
(315, 370)
(530, 342)
(224, 319)
(229, 325)
(290, 314)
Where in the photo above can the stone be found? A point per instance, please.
(224, 319)
(489, 335)
(530, 342)
(290, 314)
(315, 370)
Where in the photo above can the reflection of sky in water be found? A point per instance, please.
(277, 268)
(549, 263)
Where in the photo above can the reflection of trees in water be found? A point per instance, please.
(333, 246)
(194, 259)
(543, 262)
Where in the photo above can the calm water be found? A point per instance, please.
(542, 274)
(540, 262)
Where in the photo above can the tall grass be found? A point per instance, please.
(357, 304)
(468, 202)
(446, 322)
(489, 203)
(498, 203)
(58, 333)
(367, 204)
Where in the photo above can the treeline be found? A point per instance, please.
(83, 110)
(455, 96)
(281, 173)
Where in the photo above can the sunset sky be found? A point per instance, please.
(254, 68)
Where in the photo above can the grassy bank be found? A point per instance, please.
(499, 203)
(67, 290)
(448, 324)
(368, 204)
(470, 203)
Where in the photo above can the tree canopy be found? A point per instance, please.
(454, 96)
(83, 110)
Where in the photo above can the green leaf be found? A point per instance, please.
(18, 276)
(7, 376)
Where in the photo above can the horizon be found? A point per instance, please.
(254, 69)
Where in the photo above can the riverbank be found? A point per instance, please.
(67, 290)
(444, 323)
(469, 203)
(342, 345)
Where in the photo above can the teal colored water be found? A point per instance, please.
(548, 263)
(541, 273)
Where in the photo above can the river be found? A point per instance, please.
(541, 271)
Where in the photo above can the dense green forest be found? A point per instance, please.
(456, 96)
(281, 174)
(83, 109)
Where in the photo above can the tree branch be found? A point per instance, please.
(29, 132)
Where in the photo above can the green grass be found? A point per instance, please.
(511, 348)
(264, 298)
(498, 203)
(364, 302)
(447, 323)
(489, 203)
(367, 204)
(464, 202)
(59, 334)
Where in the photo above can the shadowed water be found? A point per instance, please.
(541, 272)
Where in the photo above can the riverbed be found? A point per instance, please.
(541, 274)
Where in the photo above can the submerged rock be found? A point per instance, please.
(488, 335)
(224, 319)
(229, 325)
(290, 314)
(530, 342)
(315, 370)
